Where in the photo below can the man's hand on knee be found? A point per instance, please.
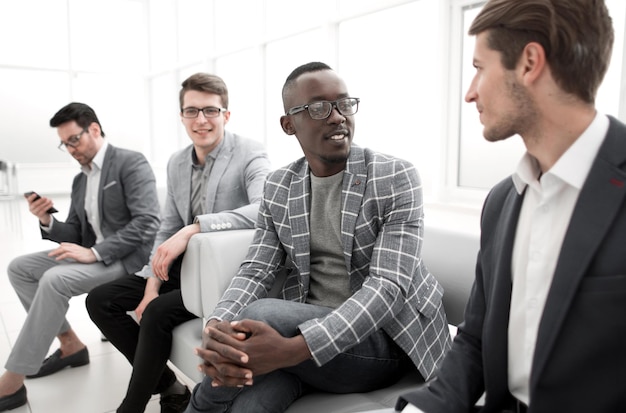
(266, 349)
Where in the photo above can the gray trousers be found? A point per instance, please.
(45, 286)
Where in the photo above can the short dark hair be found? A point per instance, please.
(577, 36)
(79, 112)
(299, 71)
(204, 82)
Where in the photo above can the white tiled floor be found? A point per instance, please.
(96, 388)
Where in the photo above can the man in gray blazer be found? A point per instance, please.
(215, 184)
(112, 223)
(359, 307)
(545, 325)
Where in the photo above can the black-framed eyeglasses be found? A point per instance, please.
(72, 141)
(209, 112)
(323, 108)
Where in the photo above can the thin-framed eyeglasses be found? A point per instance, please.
(209, 112)
(323, 108)
(72, 141)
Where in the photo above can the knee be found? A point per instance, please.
(15, 269)
(271, 311)
(156, 314)
(97, 301)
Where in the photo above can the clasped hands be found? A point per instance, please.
(235, 352)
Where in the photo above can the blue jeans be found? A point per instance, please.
(375, 363)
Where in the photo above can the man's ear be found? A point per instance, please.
(94, 129)
(285, 123)
(532, 62)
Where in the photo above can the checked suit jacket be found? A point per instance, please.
(381, 232)
(579, 364)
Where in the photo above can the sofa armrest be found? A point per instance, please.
(210, 262)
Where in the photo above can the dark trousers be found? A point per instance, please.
(147, 346)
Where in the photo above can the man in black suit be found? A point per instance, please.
(110, 228)
(545, 325)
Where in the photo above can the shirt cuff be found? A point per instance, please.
(49, 227)
(98, 257)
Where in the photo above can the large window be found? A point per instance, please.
(408, 60)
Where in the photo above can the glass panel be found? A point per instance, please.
(285, 17)
(399, 85)
(121, 103)
(608, 98)
(26, 136)
(348, 8)
(240, 24)
(196, 38)
(163, 35)
(168, 134)
(34, 33)
(245, 92)
(109, 36)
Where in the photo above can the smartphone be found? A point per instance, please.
(52, 210)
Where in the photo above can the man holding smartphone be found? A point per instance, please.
(110, 228)
(27, 195)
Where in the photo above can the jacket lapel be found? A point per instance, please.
(217, 171)
(599, 202)
(353, 188)
(299, 215)
(109, 156)
(182, 186)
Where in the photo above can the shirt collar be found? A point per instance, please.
(574, 165)
(213, 154)
(97, 160)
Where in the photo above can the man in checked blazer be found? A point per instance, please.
(545, 325)
(214, 184)
(358, 307)
(111, 225)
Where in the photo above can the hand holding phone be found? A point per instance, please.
(52, 210)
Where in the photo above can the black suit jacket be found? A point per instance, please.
(128, 208)
(580, 357)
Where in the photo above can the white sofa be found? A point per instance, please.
(212, 259)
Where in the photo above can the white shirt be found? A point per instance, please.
(546, 211)
(93, 172)
(544, 219)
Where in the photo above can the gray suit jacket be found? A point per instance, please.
(580, 357)
(381, 230)
(128, 208)
(233, 192)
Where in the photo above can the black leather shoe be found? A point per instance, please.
(13, 401)
(55, 363)
(175, 403)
